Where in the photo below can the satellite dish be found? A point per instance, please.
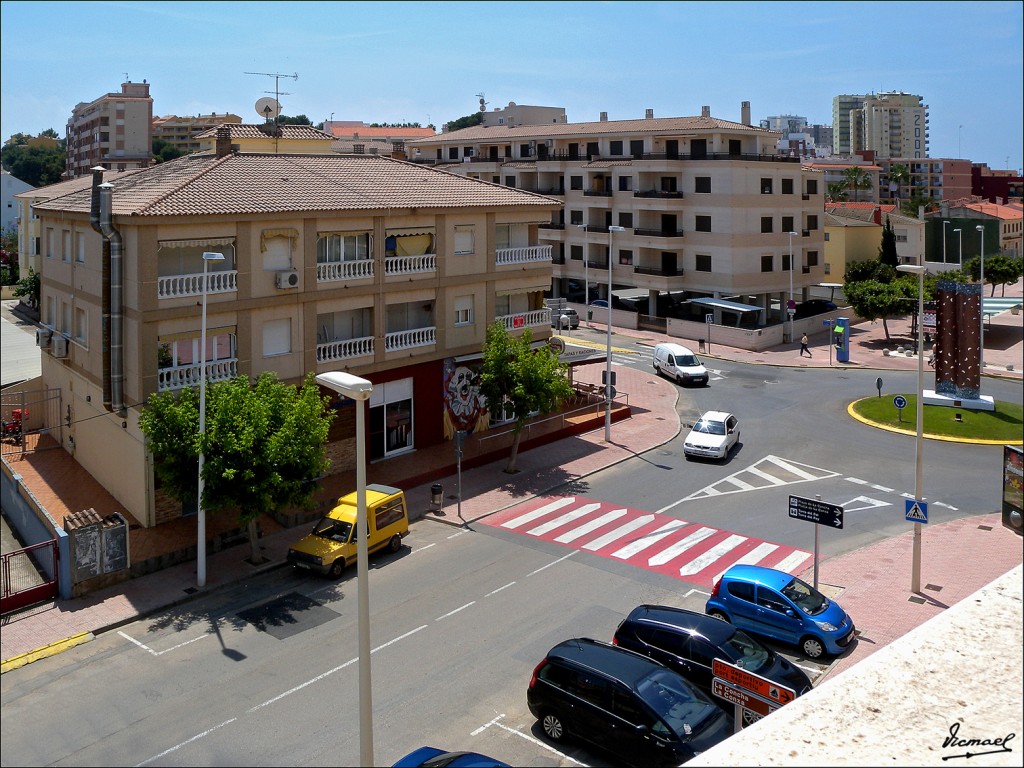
(268, 108)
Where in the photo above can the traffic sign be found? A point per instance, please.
(518, 321)
(709, 319)
(731, 693)
(762, 686)
(814, 511)
(917, 511)
(900, 402)
(826, 323)
(791, 304)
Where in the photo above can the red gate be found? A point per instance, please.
(23, 579)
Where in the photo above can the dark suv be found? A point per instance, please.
(623, 702)
(686, 641)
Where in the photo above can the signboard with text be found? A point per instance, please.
(814, 511)
(762, 686)
(745, 699)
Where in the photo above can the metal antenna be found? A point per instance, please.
(277, 90)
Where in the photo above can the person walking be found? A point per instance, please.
(803, 346)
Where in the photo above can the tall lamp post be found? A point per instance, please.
(348, 385)
(944, 241)
(915, 578)
(200, 510)
(608, 336)
(981, 337)
(960, 236)
(789, 311)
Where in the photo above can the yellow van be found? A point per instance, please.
(332, 544)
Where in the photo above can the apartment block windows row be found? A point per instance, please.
(336, 248)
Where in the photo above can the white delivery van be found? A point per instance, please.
(679, 363)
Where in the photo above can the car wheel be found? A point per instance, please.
(395, 544)
(812, 647)
(719, 615)
(679, 380)
(749, 717)
(337, 567)
(553, 726)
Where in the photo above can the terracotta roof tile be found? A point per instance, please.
(996, 210)
(366, 132)
(253, 131)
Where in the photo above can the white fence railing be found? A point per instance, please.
(344, 270)
(174, 286)
(181, 376)
(344, 349)
(409, 265)
(522, 255)
(417, 337)
(531, 319)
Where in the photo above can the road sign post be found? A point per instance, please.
(818, 512)
(900, 402)
(747, 690)
(916, 511)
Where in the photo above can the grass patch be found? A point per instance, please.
(1005, 424)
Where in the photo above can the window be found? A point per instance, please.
(576, 252)
(826, 237)
(787, 186)
(453, 153)
(278, 254)
(703, 262)
(575, 182)
(358, 149)
(80, 252)
(525, 151)
(626, 220)
(467, 151)
(277, 337)
(702, 223)
(812, 258)
(625, 257)
(575, 217)
(65, 249)
(615, 147)
(767, 263)
(463, 240)
(702, 184)
(390, 422)
(390, 512)
(812, 223)
(812, 186)
(502, 236)
(65, 318)
(766, 224)
(787, 223)
(510, 181)
(81, 326)
(785, 262)
(625, 183)
(464, 310)
(337, 248)
(742, 591)
(636, 148)
(766, 186)
(51, 313)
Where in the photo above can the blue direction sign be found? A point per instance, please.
(900, 402)
(815, 511)
(917, 511)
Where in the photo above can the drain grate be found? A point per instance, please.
(933, 587)
(916, 599)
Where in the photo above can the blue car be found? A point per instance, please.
(432, 757)
(781, 607)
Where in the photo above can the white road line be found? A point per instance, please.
(770, 478)
(529, 517)
(792, 561)
(539, 743)
(457, 534)
(857, 480)
(452, 613)
(648, 541)
(189, 741)
(792, 468)
(133, 640)
(555, 562)
(166, 650)
(593, 525)
(674, 550)
(754, 556)
(698, 564)
(561, 520)
(743, 486)
(623, 530)
(420, 549)
(496, 591)
(882, 488)
(485, 726)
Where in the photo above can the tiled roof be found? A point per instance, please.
(996, 210)
(601, 127)
(831, 220)
(854, 206)
(366, 132)
(253, 183)
(842, 166)
(252, 131)
(61, 188)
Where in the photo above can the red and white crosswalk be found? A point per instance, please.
(698, 554)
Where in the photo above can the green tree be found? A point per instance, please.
(917, 199)
(887, 249)
(898, 174)
(264, 445)
(162, 151)
(837, 192)
(874, 300)
(466, 122)
(526, 380)
(297, 120)
(872, 269)
(999, 270)
(29, 288)
(38, 166)
(856, 178)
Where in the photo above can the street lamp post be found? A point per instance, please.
(944, 241)
(608, 344)
(915, 578)
(789, 311)
(348, 385)
(200, 510)
(981, 337)
(960, 237)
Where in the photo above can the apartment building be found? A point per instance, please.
(680, 207)
(521, 114)
(114, 131)
(893, 124)
(9, 187)
(937, 178)
(355, 137)
(386, 269)
(182, 133)
(265, 137)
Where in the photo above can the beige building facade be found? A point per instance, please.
(890, 125)
(114, 131)
(182, 132)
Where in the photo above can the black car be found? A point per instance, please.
(624, 703)
(813, 307)
(686, 641)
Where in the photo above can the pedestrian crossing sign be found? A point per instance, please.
(917, 511)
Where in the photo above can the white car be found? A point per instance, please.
(713, 436)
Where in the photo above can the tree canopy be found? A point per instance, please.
(999, 270)
(466, 122)
(874, 300)
(856, 178)
(887, 249)
(524, 379)
(162, 151)
(36, 165)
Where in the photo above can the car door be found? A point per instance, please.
(777, 615)
(741, 605)
(629, 729)
(666, 648)
(732, 431)
(700, 653)
(589, 718)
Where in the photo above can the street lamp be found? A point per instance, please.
(919, 270)
(201, 512)
(944, 241)
(608, 360)
(348, 385)
(789, 311)
(981, 337)
(960, 237)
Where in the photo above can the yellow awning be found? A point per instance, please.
(197, 243)
(268, 234)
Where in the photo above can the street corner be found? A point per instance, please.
(16, 662)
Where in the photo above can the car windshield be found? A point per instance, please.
(688, 361)
(335, 530)
(746, 652)
(710, 427)
(683, 708)
(808, 599)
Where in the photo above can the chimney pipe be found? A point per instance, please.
(604, 117)
(705, 111)
(223, 141)
(649, 114)
(94, 220)
(116, 299)
(745, 112)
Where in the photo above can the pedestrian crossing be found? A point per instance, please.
(695, 553)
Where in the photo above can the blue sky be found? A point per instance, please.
(426, 61)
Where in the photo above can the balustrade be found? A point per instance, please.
(175, 286)
(343, 349)
(415, 337)
(181, 376)
(523, 255)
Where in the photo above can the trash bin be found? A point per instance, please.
(700, 345)
(590, 315)
(437, 495)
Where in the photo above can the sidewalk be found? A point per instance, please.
(873, 583)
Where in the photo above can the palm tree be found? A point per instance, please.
(837, 192)
(856, 178)
(897, 175)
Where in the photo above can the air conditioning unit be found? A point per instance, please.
(43, 337)
(59, 346)
(289, 278)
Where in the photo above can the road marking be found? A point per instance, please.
(868, 502)
(496, 591)
(166, 650)
(562, 520)
(676, 549)
(766, 469)
(529, 517)
(754, 556)
(593, 525)
(452, 613)
(618, 533)
(648, 541)
(187, 742)
(698, 564)
(554, 562)
(792, 561)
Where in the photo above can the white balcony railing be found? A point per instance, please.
(417, 337)
(532, 319)
(344, 270)
(523, 255)
(408, 265)
(181, 376)
(174, 286)
(344, 349)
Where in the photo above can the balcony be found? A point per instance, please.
(535, 318)
(410, 265)
(722, 156)
(658, 271)
(658, 193)
(524, 255)
(597, 193)
(332, 271)
(181, 376)
(805, 233)
(416, 337)
(559, 192)
(657, 233)
(551, 225)
(343, 349)
(176, 286)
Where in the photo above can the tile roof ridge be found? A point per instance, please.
(203, 171)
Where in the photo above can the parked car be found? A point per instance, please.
(432, 757)
(624, 703)
(601, 303)
(782, 607)
(687, 641)
(813, 307)
(679, 363)
(572, 314)
(713, 436)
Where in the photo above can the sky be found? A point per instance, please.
(427, 62)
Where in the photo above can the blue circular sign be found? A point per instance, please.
(900, 402)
